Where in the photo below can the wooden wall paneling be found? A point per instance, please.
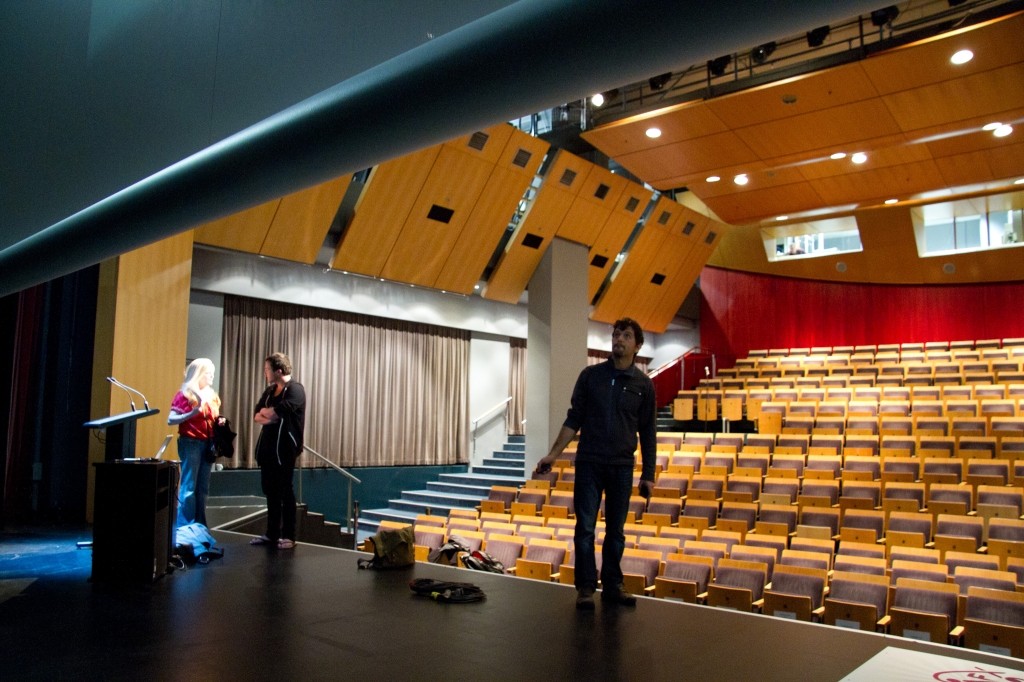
(994, 43)
(614, 233)
(814, 92)
(588, 213)
(620, 290)
(839, 125)
(689, 230)
(243, 231)
(454, 184)
(151, 332)
(687, 276)
(659, 275)
(553, 200)
(491, 214)
(381, 211)
(303, 220)
(979, 94)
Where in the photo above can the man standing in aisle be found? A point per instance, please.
(611, 402)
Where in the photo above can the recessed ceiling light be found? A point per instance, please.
(741, 179)
(1019, 182)
(597, 100)
(653, 132)
(838, 155)
(1002, 131)
(477, 286)
(782, 217)
(713, 178)
(859, 157)
(962, 57)
(991, 126)
(892, 201)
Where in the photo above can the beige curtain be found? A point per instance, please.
(516, 411)
(596, 357)
(379, 392)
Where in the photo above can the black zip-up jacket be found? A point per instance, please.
(282, 440)
(608, 409)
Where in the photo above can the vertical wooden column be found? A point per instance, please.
(141, 336)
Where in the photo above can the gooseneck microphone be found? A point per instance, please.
(707, 372)
(129, 390)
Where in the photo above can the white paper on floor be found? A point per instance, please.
(892, 664)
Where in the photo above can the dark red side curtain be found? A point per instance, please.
(743, 311)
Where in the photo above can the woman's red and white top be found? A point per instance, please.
(199, 426)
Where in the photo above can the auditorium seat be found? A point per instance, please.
(542, 559)
(664, 545)
(958, 533)
(671, 485)
(680, 534)
(908, 530)
(764, 555)
(777, 544)
(703, 513)
(914, 554)
(858, 564)
(1005, 539)
(713, 550)
(685, 578)
(908, 497)
(503, 495)
(925, 610)
(457, 524)
(944, 498)
(505, 549)
(862, 525)
(663, 511)
(796, 593)
(738, 585)
(994, 621)
(858, 601)
(940, 470)
(826, 492)
(955, 560)
(796, 557)
(738, 517)
(530, 533)
(639, 569)
(780, 520)
(860, 549)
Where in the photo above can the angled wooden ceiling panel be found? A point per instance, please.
(813, 92)
(382, 210)
(616, 297)
(660, 273)
(614, 233)
(688, 156)
(540, 224)
(965, 136)
(980, 94)
(666, 309)
(492, 213)
(688, 121)
(765, 202)
(593, 204)
(1007, 161)
(996, 43)
(303, 220)
(963, 169)
(442, 208)
(880, 183)
(243, 231)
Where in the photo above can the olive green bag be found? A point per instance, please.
(392, 548)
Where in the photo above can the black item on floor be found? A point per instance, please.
(392, 548)
(446, 553)
(481, 561)
(453, 593)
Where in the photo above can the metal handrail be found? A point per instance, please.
(498, 406)
(351, 479)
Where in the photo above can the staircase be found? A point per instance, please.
(504, 467)
(248, 514)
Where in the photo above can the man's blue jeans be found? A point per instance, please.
(617, 484)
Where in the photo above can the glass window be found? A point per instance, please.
(811, 239)
(972, 232)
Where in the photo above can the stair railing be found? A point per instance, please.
(351, 479)
(476, 421)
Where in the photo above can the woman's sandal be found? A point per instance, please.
(261, 540)
(285, 543)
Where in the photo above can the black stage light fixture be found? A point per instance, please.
(760, 53)
(717, 66)
(886, 15)
(816, 37)
(955, 3)
(658, 82)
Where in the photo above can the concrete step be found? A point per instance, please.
(509, 471)
(388, 514)
(516, 464)
(446, 500)
(482, 479)
(517, 439)
(459, 488)
(507, 454)
(515, 447)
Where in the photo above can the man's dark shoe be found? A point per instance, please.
(585, 599)
(615, 595)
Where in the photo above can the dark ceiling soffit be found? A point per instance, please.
(530, 56)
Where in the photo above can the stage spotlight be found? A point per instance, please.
(886, 15)
(816, 38)
(760, 53)
(717, 66)
(658, 82)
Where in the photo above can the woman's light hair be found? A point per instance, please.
(190, 389)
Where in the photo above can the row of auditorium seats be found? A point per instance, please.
(851, 377)
(985, 344)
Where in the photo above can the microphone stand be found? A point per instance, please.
(129, 388)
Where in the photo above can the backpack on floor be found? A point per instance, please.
(481, 561)
(392, 548)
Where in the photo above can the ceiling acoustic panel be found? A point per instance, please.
(593, 204)
(661, 272)
(616, 297)
(381, 212)
(533, 235)
(443, 206)
(665, 310)
(303, 220)
(243, 231)
(614, 233)
(512, 175)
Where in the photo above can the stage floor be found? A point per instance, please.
(309, 614)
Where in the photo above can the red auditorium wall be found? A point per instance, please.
(742, 311)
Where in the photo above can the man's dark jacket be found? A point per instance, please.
(608, 409)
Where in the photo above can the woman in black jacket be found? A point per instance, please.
(282, 413)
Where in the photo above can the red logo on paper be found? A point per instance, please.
(976, 675)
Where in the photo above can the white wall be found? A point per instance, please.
(205, 329)
(673, 343)
(488, 386)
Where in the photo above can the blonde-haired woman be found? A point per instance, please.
(194, 410)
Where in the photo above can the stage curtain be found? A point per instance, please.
(742, 311)
(516, 411)
(379, 392)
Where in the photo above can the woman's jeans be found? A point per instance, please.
(195, 480)
(616, 481)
